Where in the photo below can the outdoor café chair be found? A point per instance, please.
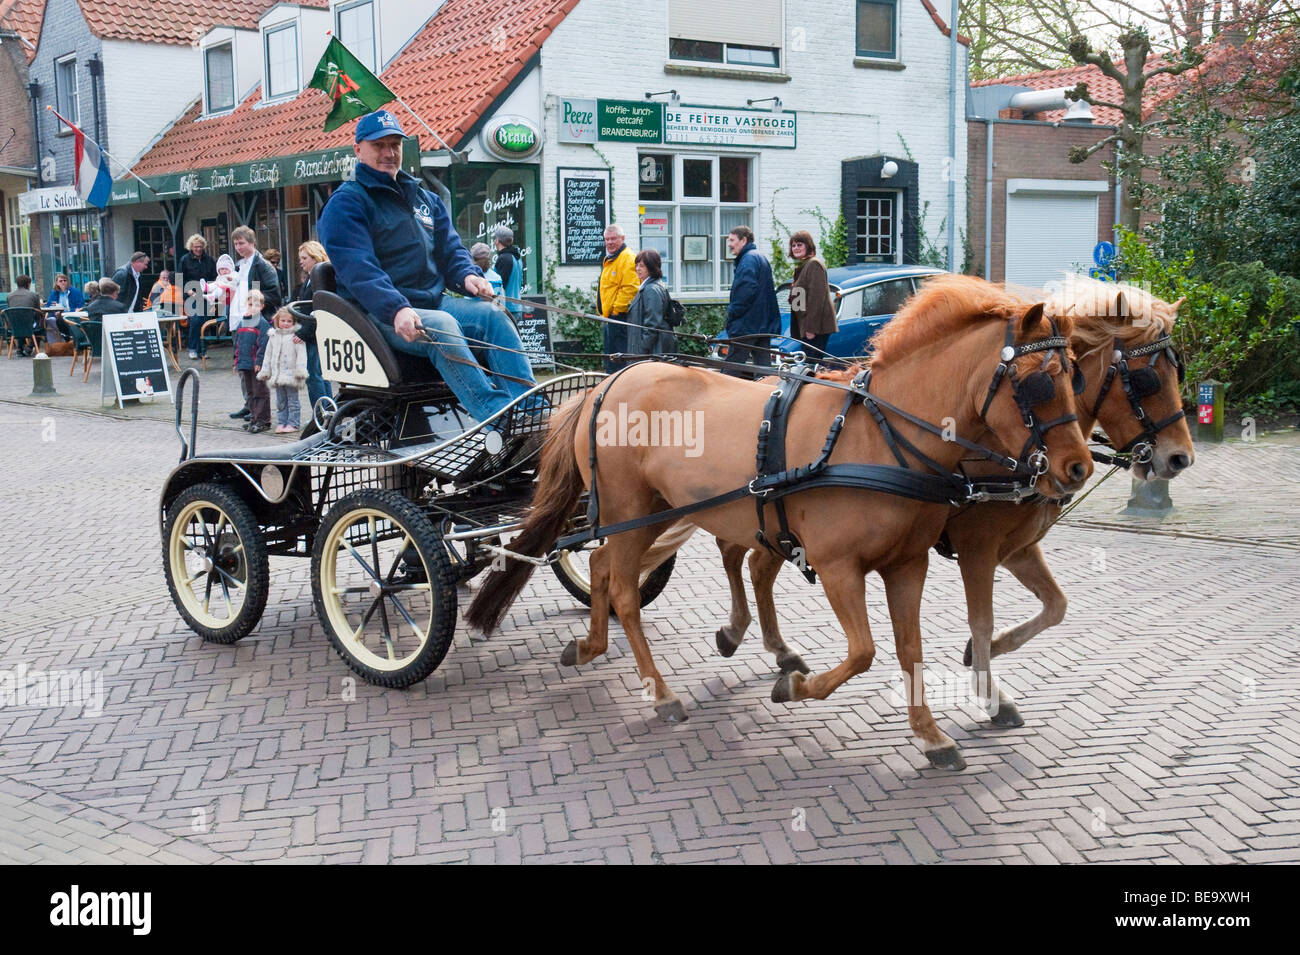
(22, 328)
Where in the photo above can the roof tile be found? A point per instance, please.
(450, 75)
(174, 21)
(24, 17)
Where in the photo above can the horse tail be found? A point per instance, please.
(559, 485)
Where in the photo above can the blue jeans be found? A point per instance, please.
(449, 327)
(286, 405)
(317, 386)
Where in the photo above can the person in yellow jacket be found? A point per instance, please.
(618, 286)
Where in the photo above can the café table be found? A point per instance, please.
(52, 313)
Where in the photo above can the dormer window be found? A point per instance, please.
(282, 74)
(219, 77)
(355, 23)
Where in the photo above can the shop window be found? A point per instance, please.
(266, 221)
(77, 246)
(726, 32)
(486, 195)
(153, 238)
(356, 30)
(690, 203)
(18, 228)
(281, 61)
(877, 227)
(66, 97)
(297, 230)
(219, 77)
(876, 30)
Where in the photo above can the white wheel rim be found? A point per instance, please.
(208, 564)
(576, 565)
(380, 620)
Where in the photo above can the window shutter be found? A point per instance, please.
(746, 22)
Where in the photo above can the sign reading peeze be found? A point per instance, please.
(134, 362)
(584, 213)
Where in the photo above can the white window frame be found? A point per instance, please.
(714, 202)
(267, 95)
(19, 237)
(234, 87)
(59, 64)
(724, 63)
(375, 66)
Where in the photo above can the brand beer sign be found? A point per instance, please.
(512, 138)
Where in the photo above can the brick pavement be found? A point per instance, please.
(1165, 734)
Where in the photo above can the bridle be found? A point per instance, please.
(1033, 389)
(1139, 383)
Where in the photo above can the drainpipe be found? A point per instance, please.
(988, 200)
(96, 67)
(34, 90)
(952, 138)
(1119, 196)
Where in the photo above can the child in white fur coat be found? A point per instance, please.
(285, 369)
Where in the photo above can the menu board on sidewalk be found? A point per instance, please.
(535, 333)
(584, 213)
(135, 365)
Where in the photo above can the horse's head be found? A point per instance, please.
(1134, 376)
(1029, 402)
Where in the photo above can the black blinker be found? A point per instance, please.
(1037, 388)
(1146, 381)
(1077, 380)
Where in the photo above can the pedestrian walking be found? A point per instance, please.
(752, 311)
(618, 286)
(509, 266)
(650, 320)
(812, 311)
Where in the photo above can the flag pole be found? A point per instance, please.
(427, 127)
(102, 151)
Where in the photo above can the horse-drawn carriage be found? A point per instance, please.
(395, 495)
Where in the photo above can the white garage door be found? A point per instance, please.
(1049, 233)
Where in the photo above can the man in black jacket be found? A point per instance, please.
(128, 280)
(254, 272)
(107, 303)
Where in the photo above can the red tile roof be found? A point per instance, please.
(450, 74)
(1158, 89)
(24, 17)
(174, 21)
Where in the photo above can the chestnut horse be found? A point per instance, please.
(1109, 322)
(937, 358)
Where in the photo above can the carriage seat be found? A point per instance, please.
(402, 369)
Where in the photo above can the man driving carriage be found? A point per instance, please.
(394, 253)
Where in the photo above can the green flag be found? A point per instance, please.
(354, 89)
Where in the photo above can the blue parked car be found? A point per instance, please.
(866, 297)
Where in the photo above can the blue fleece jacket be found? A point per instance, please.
(752, 309)
(250, 344)
(392, 244)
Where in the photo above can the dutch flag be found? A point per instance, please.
(94, 182)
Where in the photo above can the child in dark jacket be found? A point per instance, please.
(250, 337)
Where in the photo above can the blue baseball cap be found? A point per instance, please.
(377, 125)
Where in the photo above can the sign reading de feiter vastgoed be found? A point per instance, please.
(728, 126)
(330, 165)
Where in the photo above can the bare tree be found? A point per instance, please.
(1128, 43)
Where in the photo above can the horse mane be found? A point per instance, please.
(1091, 304)
(942, 306)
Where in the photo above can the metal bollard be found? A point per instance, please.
(1149, 498)
(42, 376)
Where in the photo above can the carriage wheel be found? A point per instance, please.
(215, 560)
(574, 570)
(384, 587)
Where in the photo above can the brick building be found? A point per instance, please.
(20, 26)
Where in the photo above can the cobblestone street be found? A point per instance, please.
(1161, 716)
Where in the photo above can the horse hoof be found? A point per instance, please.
(783, 689)
(569, 658)
(792, 662)
(725, 645)
(1007, 715)
(968, 656)
(671, 711)
(947, 758)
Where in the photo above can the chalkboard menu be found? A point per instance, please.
(135, 365)
(584, 213)
(535, 333)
